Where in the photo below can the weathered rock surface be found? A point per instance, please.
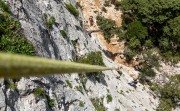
(51, 44)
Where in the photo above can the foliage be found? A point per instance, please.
(68, 83)
(63, 33)
(81, 23)
(39, 92)
(129, 54)
(109, 98)
(72, 9)
(137, 31)
(150, 61)
(81, 104)
(170, 94)
(174, 57)
(117, 109)
(148, 44)
(108, 27)
(50, 22)
(84, 81)
(80, 89)
(4, 7)
(98, 104)
(93, 58)
(12, 85)
(50, 102)
(172, 32)
(16, 45)
(155, 24)
(165, 105)
(11, 39)
(134, 43)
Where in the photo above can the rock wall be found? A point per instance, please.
(50, 43)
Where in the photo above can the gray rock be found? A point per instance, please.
(2, 100)
(51, 44)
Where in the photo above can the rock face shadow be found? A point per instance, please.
(97, 77)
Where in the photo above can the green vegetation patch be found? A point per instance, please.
(51, 21)
(98, 104)
(109, 98)
(153, 24)
(80, 89)
(72, 9)
(68, 83)
(4, 7)
(93, 58)
(114, 2)
(108, 28)
(81, 103)
(50, 102)
(169, 93)
(117, 109)
(63, 33)
(39, 92)
(12, 85)
(81, 23)
(11, 38)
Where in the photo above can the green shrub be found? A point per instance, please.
(81, 23)
(120, 102)
(4, 7)
(165, 105)
(39, 92)
(12, 85)
(154, 29)
(137, 30)
(51, 103)
(81, 104)
(116, 109)
(129, 54)
(50, 22)
(148, 71)
(11, 37)
(79, 88)
(98, 104)
(72, 9)
(16, 44)
(45, 17)
(148, 43)
(109, 98)
(63, 33)
(169, 93)
(108, 27)
(84, 81)
(68, 83)
(134, 44)
(93, 58)
(173, 57)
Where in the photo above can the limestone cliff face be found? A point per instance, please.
(50, 43)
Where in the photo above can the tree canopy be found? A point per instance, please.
(155, 23)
